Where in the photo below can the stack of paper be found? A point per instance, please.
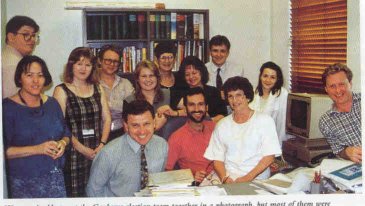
(278, 184)
(210, 191)
(173, 191)
(175, 178)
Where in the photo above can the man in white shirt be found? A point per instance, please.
(219, 47)
(21, 38)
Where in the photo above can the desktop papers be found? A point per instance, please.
(278, 183)
(177, 183)
(344, 173)
(175, 178)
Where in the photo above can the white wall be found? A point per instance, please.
(280, 39)
(245, 23)
(257, 29)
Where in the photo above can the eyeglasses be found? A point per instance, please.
(165, 58)
(29, 36)
(110, 61)
(147, 76)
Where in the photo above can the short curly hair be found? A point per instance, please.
(335, 68)
(238, 83)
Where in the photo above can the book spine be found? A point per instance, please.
(163, 27)
(133, 27)
(144, 53)
(125, 30)
(201, 26)
(157, 26)
(111, 27)
(89, 28)
(152, 22)
(189, 26)
(116, 28)
(180, 26)
(141, 26)
(133, 58)
(196, 21)
(168, 26)
(152, 47)
(104, 27)
(173, 25)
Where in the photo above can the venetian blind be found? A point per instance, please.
(319, 38)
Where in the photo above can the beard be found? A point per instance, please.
(191, 117)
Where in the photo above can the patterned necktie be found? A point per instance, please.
(144, 170)
(219, 80)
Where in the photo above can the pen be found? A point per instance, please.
(317, 177)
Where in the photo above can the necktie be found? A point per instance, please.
(144, 170)
(219, 80)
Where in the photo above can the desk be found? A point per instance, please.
(243, 188)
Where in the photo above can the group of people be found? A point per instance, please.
(98, 134)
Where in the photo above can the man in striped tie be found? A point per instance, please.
(121, 168)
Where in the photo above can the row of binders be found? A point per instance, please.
(134, 26)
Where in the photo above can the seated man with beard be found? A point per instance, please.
(188, 143)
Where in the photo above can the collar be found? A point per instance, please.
(133, 144)
(116, 81)
(192, 130)
(223, 67)
(355, 99)
(14, 51)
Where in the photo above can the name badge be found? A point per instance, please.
(88, 133)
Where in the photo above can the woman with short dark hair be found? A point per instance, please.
(35, 135)
(244, 143)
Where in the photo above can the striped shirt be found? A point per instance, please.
(342, 129)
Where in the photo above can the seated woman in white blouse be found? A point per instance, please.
(244, 143)
(271, 97)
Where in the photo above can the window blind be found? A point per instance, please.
(318, 39)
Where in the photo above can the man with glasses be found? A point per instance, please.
(116, 88)
(188, 143)
(21, 38)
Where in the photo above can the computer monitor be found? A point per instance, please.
(303, 113)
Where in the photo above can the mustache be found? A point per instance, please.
(197, 112)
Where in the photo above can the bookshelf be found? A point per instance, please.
(137, 31)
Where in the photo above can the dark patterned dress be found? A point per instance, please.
(81, 114)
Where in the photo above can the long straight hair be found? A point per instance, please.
(279, 82)
(146, 64)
